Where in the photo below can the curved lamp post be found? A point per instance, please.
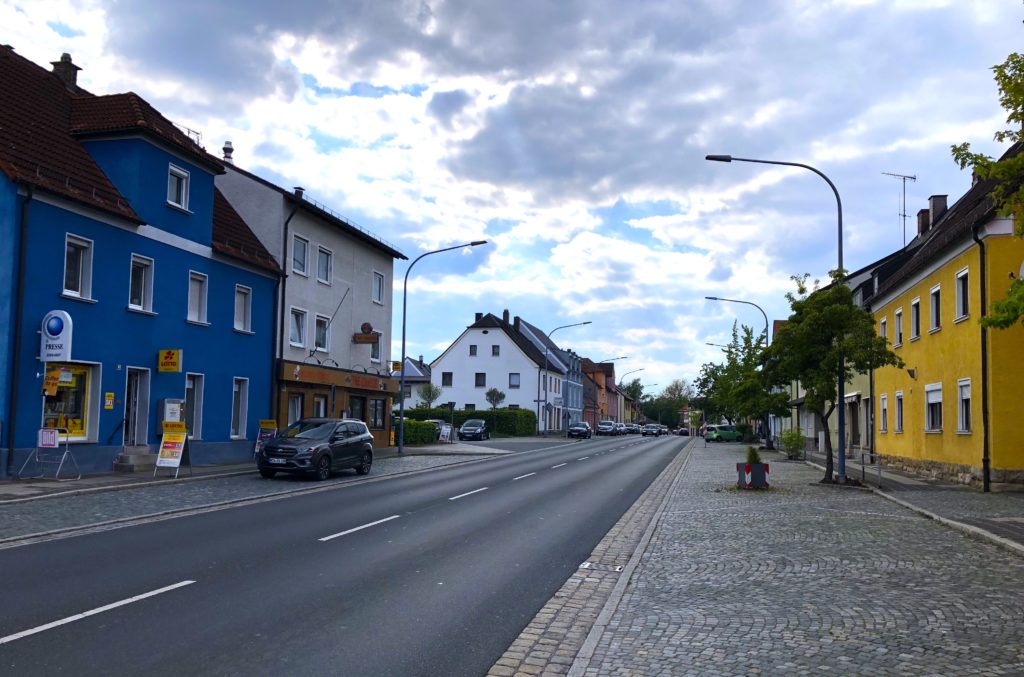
(405, 293)
(841, 390)
(564, 326)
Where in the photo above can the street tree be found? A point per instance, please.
(634, 389)
(825, 325)
(1008, 174)
(494, 397)
(710, 397)
(429, 393)
(742, 382)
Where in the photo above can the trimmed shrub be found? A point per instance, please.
(792, 442)
(746, 430)
(419, 432)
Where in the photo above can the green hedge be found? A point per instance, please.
(509, 422)
(418, 432)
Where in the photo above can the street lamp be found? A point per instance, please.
(841, 469)
(717, 345)
(716, 298)
(611, 359)
(622, 378)
(564, 326)
(405, 291)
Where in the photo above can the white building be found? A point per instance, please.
(332, 341)
(495, 353)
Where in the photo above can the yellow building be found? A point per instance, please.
(955, 409)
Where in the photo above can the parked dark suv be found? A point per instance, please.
(318, 447)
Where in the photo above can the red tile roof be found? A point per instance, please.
(35, 146)
(233, 238)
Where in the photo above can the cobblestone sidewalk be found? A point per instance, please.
(802, 579)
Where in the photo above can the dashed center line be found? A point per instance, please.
(468, 493)
(522, 476)
(92, 612)
(583, 459)
(357, 529)
(558, 466)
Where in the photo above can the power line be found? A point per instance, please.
(903, 202)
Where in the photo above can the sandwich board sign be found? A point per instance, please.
(173, 448)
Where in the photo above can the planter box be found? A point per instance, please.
(752, 475)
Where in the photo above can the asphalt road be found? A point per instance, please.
(429, 574)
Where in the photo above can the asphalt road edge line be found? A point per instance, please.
(583, 657)
(970, 529)
(92, 612)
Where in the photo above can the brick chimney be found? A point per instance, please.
(923, 221)
(479, 316)
(504, 316)
(936, 208)
(66, 71)
(516, 325)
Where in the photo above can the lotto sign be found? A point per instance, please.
(170, 360)
(48, 438)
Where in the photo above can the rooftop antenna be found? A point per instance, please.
(903, 201)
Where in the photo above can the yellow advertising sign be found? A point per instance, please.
(108, 400)
(174, 427)
(268, 423)
(51, 382)
(169, 360)
(171, 448)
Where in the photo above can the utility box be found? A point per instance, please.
(172, 410)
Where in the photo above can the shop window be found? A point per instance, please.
(294, 407)
(194, 405)
(140, 286)
(78, 267)
(320, 406)
(377, 413)
(239, 407)
(67, 394)
(357, 406)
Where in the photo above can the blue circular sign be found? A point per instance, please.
(54, 326)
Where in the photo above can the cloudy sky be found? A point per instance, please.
(571, 134)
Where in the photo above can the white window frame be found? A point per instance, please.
(183, 177)
(245, 294)
(375, 349)
(963, 426)
(377, 291)
(883, 328)
(320, 406)
(963, 299)
(199, 384)
(85, 266)
(199, 314)
(915, 319)
(322, 251)
(293, 312)
(295, 412)
(239, 390)
(898, 412)
(898, 326)
(929, 424)
(147, 283)
(935, 309)
(304, 270)
(518, 380)
(326, 348)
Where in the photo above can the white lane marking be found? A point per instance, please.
(92, 612)
(583, 459)
(468, 493)
(365, 526)
(558, 466)
(522, 476)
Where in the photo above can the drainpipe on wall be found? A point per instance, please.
(283, 284)
(986, 463)
(12, 404)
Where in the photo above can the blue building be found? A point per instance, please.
(111, 230)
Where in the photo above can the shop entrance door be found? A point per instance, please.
(136, 408)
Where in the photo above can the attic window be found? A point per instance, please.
(177, 187)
